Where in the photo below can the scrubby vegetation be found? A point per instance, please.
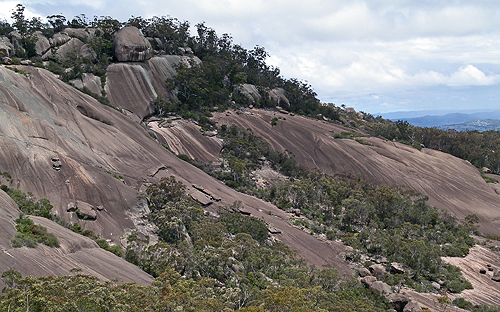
(480, 148)
(377, 221)
(30, 234)
(171, 292)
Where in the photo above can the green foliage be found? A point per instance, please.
(19, 71)
(29, 234)
(57, 22)
(231, 250)
(27, 204)
(480, 148)
(237, 223)
(116, 249)
(348, 135)
(5, 28)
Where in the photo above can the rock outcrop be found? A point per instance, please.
(6, 47)
(42, 43)
(41, 117)
(278, 95)
(250, 91)
(450, 183)
(131, 46)
(132, 86)
(75, 251)
(89, 81)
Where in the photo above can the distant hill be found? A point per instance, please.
(460, 120)
(477, 124)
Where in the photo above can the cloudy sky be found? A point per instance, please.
(376, 56)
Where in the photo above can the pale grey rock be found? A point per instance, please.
(73, 46)
(368, 280)
(81, 33)
(131, 46)
(278, 95)
(363, 272)
(436, 286)
(6, 60)
(16, 41)
(382, 287)
(42, 43)
(90, 81)
(412, 306)
(59, 39)
(85, 210)
(397, 268)
(87, 52)
(377, 270)
(250, 91)
(6, 47)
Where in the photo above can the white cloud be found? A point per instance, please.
(471, 76)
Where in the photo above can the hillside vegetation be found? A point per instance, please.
(226, 260)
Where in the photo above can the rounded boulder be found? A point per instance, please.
(131, 46)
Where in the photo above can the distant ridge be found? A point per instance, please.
(448, 120)
(477, 124)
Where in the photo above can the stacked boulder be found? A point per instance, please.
(131, 46)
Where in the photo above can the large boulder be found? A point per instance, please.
(378, 271)
(90, 81)
(399, 301)
(6, 47)
(131, 46)
(15, 38)
(72, 46)
(59, 39)
(42, 43)
(496, 276)
(278, 95)
(84, 34)
(250, 91)
(85, 210)
(412, 306)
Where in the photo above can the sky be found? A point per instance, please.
(376, 56)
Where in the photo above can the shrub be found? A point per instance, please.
(29, 234)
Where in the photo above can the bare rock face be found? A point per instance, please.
(72, 46)
(250, 91)
(42, 43)
(278, 95)
(132, 86)
(75, 251)
(131, 46)
(412, 306)
(90, 81)
(6, 48)
(496, 276)
(59, 39)
(42, 118)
